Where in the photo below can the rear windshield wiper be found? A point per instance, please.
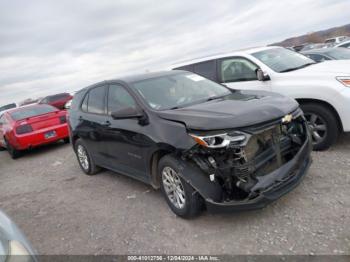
(296, 68)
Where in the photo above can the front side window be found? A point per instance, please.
(346, 45)
(206, 69)
(119, 98)
(96, 100)
(84, 105)
(238, 69)
(283, 60)
(178, 90)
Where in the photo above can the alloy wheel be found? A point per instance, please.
(173, 187)
(83, 157)
(317, 126)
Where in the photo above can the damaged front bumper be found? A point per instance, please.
(272, 186)
(271, 173)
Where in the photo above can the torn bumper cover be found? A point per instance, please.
(273, 185)
(275, 181)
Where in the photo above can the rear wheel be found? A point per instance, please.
(14, 153)
(323, 125)
(85, 160)
(182, 199)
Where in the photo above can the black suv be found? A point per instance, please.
(203, 144)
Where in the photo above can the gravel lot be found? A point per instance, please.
(63, 211)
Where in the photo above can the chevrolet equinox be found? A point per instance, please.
(202, 144)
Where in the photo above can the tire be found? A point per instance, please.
(89, 167)
(326, 119)
(14, 153)
(193, 203)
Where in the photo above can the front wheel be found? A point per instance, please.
(182, 199)
(323, 125)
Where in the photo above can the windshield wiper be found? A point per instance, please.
(197, 102)
(296, 68)
(215, 97)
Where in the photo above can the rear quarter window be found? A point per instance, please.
(206, 69)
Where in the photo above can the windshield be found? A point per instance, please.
(178, 90)
(339, 53)
(27, 112)
(283, 60)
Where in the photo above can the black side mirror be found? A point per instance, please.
(129, 113)
(262, 76)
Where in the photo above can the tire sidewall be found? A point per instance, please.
(330, 122)
(190, 193)
(81, 143)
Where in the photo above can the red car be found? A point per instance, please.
(58, 100)
(31, 126)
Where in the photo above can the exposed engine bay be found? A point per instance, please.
(261, 150)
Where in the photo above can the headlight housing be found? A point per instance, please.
(219, 140)
(345, 80)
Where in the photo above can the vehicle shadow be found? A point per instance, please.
(44, 149)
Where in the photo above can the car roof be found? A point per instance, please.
(316, 51)
(319, 50)
(343, 42)
(56, 95)
(129, 79)
(145, 76)
(222, 55)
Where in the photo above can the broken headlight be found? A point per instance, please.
(219, 140)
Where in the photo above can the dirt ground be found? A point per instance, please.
(63, 211)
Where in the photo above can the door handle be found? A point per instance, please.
(107, 123)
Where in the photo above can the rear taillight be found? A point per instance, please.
(23, 129)
(63, 119)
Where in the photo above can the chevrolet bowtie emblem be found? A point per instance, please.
(287, 119)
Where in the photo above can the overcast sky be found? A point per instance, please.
(54, 46)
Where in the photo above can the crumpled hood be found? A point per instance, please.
(331, 67)
(240, 109)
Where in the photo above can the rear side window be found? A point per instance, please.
(185, 68)
(27, 112)
(96, 100)
(206, 69)
(119, 98)
(346, 45)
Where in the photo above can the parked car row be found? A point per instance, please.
(211, 133)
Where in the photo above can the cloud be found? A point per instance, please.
(54, 46)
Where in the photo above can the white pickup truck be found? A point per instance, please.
(322, 90)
